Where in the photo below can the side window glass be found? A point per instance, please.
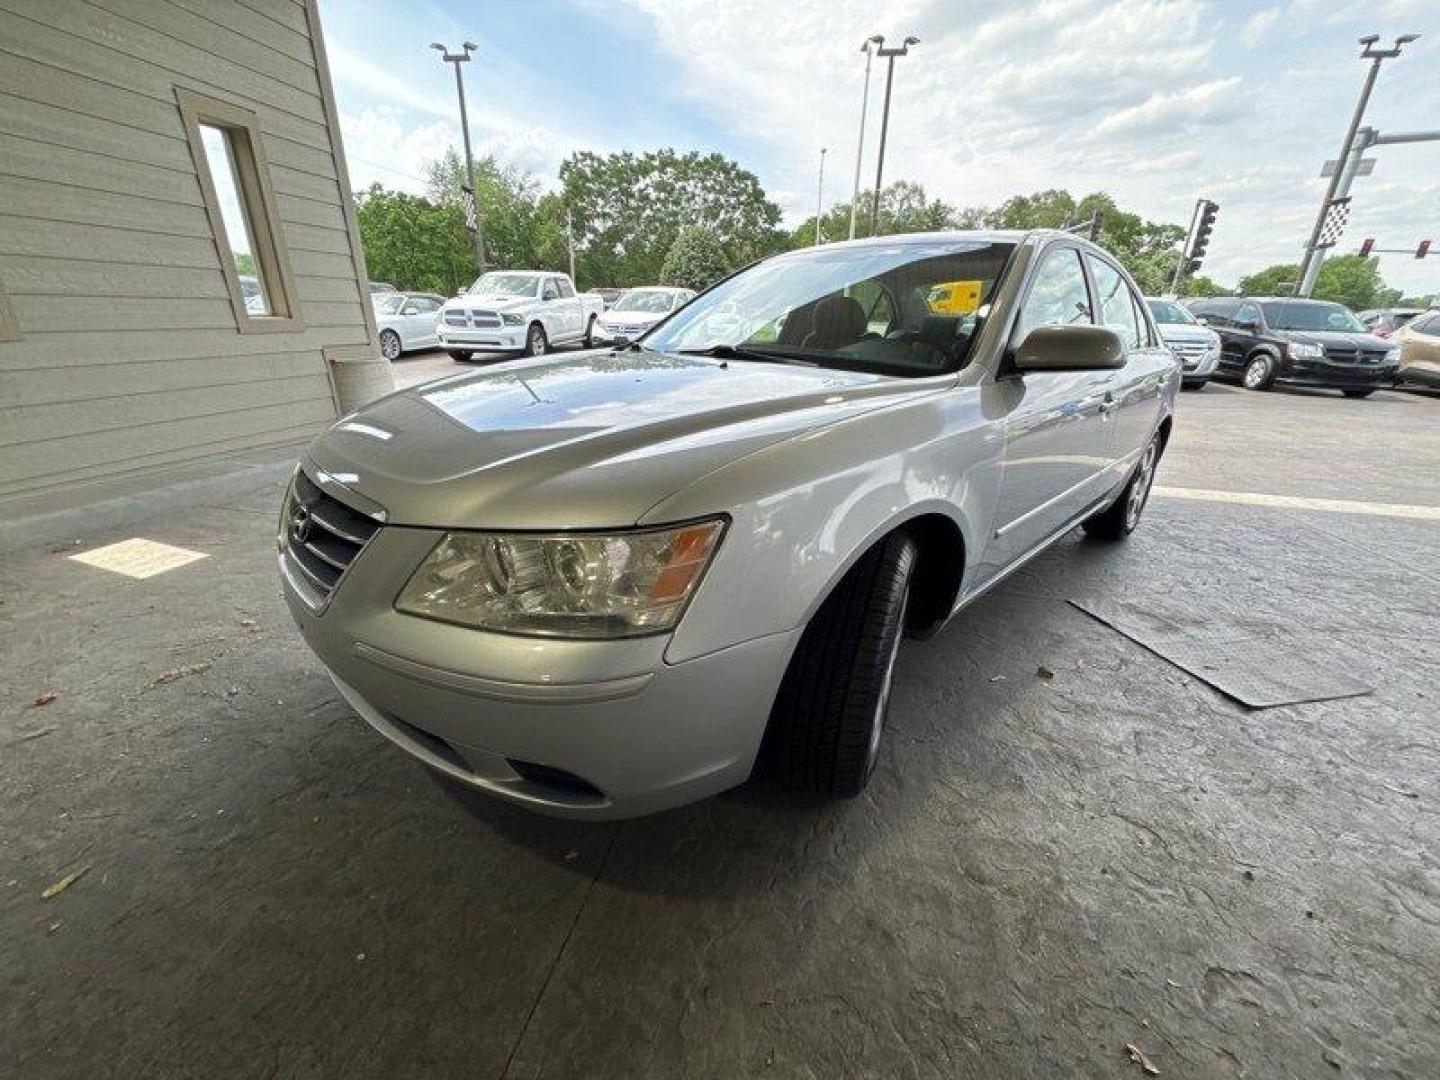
(1058, 296)
(1248, 316)
(1136, 306)
(565, 287)
(1117, 310)
(550, 292)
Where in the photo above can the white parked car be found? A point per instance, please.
(406, 321)
(524, 311)
(1197, 347)
(637, 310)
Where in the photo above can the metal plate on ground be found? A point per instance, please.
(139, 558)
(1257, 665)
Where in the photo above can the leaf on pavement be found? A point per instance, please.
(1138, 1056)
(64, 883)
(180, 672)
(44, 699)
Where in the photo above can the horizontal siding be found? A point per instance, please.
(98, 379)
(27, 469)
(127, 416)
(131, 359)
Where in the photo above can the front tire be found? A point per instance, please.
(536, 343)
(829, 715)
(1119, 520)
(390, 345)
(1357, 393)
(1259, 372)
(460, 355)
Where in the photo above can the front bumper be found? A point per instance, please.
(1323, 375)
(582, 729)
(503, 339)
(611, 335)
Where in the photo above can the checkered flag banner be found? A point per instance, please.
(1335, 219)
(469, 200)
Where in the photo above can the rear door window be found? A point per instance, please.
(1117, 307)
(1058, 294)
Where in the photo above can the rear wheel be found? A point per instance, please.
(389, 344)
(1357, 393)
(590, 333)
(1120, 519)
(462, 355)
(536, 344)
(829, 714)
(1259, 372)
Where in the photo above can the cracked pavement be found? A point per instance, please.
(1042, 871)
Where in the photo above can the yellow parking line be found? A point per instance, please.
(1296, 502)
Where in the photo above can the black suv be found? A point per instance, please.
(1264, 340)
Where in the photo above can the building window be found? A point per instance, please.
(235, 181)
(9, 328)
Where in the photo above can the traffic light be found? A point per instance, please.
(1204, 226)
(1423, 249)
(1367, 246)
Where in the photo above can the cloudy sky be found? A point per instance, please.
(1155, 101)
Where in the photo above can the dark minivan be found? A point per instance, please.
(1265, 340)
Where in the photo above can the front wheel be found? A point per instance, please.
(829, 714)
(536, 344)
(389, 344)
(1357, 393)
(1119, 520)
(1259, 372)
(460, 355)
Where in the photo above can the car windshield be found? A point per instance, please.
(506, 285)
(388, 303)
(1167, 311)
(868, 307)
(1282, 315)
(650, 301)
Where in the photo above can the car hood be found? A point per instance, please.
(584, 440)
(632, 318)
(1186, 332)
(487, 300)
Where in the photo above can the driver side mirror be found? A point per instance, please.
(1070, 348)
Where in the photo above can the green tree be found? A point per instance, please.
(413, 242)
(506, 200)
(1352, 280)
(696, 260)
(1278, 280)
(1200, 285)
(629, 209)
(904, 207)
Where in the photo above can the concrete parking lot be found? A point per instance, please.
(1070, 845)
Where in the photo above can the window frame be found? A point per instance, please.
(272, 259)
(9, 325)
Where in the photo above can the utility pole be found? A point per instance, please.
(1314, 253)
(473, 209)
(820, 195)
(890, 54)
(570, 242)
(874, 39)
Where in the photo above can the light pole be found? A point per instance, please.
(457, 59)
(820, 194)
(1314, 256)
(874, 39)
(891, 54)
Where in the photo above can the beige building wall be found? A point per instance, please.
(121, 348)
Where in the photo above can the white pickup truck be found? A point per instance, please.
(524, 311)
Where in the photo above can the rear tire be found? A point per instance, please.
(1259, 373)
(590, 333)
(1119, 520)
(390, 345)
(536, 343)
(460, 355)
(829, 715)
(1357, 393)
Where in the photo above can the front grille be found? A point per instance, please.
(1184, 349)
(616, 328)
(484, 320)
(456, 318)
(1337, 354)
(320, 538)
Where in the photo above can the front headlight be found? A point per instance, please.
(575, 585)
(1301, 351)
(511, 319)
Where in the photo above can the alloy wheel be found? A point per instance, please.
(390, 345)
(537, 341)
(1140, 487)
(1255, 373)
(882, 704)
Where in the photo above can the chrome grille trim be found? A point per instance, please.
(320, 538)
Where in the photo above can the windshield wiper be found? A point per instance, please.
(744, 352)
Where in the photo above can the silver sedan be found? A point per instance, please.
(610, 582)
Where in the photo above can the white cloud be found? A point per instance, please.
(1257, 26)
(1208, 102)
